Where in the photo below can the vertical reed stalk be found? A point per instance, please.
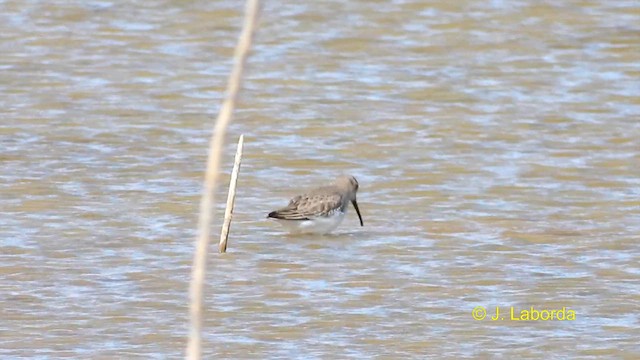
(231, 198)
(198, 270)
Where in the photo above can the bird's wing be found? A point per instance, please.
(308, 206)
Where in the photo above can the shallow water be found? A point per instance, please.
(496, 146)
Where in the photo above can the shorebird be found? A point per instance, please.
(320, 210)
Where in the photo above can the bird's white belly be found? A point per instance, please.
(318, 225)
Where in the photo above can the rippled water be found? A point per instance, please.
(496, 145)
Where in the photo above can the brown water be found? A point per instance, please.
(496, 145)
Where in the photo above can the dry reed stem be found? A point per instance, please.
(231, 198)
(198, 270)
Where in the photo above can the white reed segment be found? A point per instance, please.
(231, 198)
(198, 269)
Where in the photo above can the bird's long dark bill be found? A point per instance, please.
(355, 205)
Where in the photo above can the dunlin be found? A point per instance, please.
(321, 210)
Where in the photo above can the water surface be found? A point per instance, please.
(496, 146)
